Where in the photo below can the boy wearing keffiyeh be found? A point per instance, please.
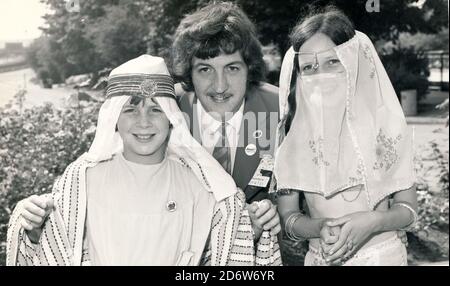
(146, 193)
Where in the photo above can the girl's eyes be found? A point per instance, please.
(156, 109)
(129, 110)
(332, 62)
(307, 67)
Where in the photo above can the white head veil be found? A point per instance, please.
(148, 75)
(376, 150)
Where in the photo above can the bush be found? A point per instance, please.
(407, 69)
(433, 207)
(36, 145)
(428, 241)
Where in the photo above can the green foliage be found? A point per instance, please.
(163, 18)
(105, 33)
(43, 58)
(119, 36)
(64, 49)
(433, 207)
(36, 145)
(441, 158)
(407, 69)
(275, 19)
(425, 42)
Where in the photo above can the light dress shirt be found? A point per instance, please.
(210, 130)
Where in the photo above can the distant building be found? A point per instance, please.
(13, 47)
(12, 56)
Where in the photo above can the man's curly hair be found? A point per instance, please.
(216, 28)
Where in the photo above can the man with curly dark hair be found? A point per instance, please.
(217, 58)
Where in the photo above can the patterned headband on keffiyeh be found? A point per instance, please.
(141, 85)
(373, 147)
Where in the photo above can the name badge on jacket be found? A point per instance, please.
(263, 173)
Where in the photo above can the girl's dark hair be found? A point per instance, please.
(331, 22)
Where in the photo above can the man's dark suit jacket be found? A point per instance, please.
(257, 128)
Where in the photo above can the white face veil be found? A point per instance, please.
(149, 75)
(348, 129)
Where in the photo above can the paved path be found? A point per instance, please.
(12, 82)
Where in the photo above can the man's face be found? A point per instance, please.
(220, 83)
(144, 129)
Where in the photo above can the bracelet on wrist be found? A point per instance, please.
(415, 217)
(289, 226)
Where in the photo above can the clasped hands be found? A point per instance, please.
(340, 238)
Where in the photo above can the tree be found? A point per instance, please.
(275, 19)
(120, 35)
(423, 42)
(105, 33)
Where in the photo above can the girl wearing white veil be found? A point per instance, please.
(146, 193)
(343, 144)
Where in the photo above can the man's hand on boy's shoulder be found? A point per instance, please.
(34, 211)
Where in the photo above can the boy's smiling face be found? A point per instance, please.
(144, 129)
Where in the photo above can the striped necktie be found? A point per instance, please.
(222, 150)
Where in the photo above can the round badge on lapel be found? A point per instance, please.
(257, 134)
(171, 206)
(250, 150)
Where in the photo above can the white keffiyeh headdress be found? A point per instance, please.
(148, 76)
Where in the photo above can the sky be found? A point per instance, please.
(20, 19)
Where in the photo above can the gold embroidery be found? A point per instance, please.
(385, 151)
(368, 55)
(316, 147)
